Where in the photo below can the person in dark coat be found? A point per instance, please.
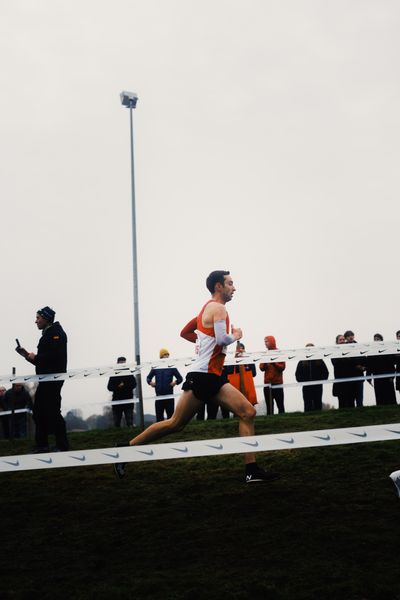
(345, 392)
(164, 381)
(18, 398)
(398, 364)
(51, 357)
(4, 419)
(312, 370)
(122, 389)
(356, 367)
(381, 365)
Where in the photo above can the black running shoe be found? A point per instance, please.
(119, 470)
(257, 474)
(395, 477)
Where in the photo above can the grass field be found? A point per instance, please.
(190, 529)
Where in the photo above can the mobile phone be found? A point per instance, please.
(18, 344)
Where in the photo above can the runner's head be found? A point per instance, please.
(220, 283)
(214, 278)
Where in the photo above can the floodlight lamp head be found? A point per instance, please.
(128, 99)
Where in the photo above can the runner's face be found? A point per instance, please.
(228, 289)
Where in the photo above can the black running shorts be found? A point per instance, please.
(204, 385)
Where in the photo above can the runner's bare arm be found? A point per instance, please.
(189, 331)
(215, 316)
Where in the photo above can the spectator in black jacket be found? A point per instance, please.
(122, 389)
(51, 357)
(355, 368)
(164, 381)
(4, 419)
(344, 392)
(18, 398)
(312, 370)
(380, 365)
(398, 364)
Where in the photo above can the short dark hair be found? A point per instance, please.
(398, 332)
(379, 335)
(214, 278)
(348, 333)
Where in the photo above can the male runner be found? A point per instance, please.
(205, 380)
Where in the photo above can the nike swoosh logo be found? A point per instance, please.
(40, 378)
(81, 458)
(329, 353)
(185, 449)
(273, 358)
(254, 444)
(14, 463)
(290, 357)
(86, 374)
(104, 372)
(364, 351)
(380, 351)
(393, 431)
(291, 441)
(111, 454)
(57, 376)
(148, 452)
(45, 460)
(26, 378)
(70, 376)
(363, 435)
(323, 437)
(345, 353)
(187, 364)
(309, 355)
(219, 447)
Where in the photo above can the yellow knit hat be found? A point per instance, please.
(163, 352)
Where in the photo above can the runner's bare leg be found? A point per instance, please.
(230, 397)
(186, 408)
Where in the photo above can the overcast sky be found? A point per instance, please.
(266, 142)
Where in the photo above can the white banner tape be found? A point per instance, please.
(214, 447)
(321, 352)
(4, 413)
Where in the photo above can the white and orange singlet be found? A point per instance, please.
(211, 356)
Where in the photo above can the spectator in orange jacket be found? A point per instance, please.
(241, 377)
(273, 376)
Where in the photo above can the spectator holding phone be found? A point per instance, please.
(51, 357)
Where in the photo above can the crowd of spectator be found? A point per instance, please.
(16, 402)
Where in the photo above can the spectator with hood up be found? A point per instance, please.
(273, 376)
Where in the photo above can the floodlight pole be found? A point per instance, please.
(129, 100)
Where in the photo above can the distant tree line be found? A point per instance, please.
(76, 422)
